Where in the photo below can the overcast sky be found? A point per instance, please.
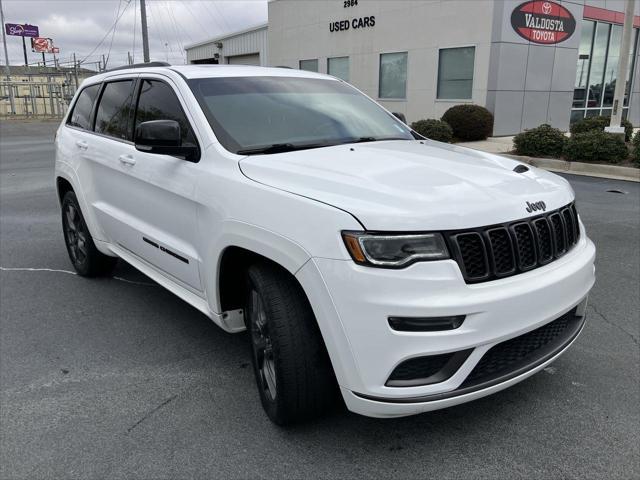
(80, 25)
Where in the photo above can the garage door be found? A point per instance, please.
(253, 59)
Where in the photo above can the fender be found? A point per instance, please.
(66, 171)
(234, 233)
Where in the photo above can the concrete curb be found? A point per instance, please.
(613, 172)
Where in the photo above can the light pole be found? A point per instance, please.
(6, 59)
(623, 63)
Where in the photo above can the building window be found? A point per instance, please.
(309, 65)
(455, 73)
(338, 67)
(597, 69)
(393, 76)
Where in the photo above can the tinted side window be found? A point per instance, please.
(158, 101)
(81, 113)
(114, 110)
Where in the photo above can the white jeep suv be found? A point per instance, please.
(407, 274)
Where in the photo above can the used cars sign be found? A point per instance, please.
(543, 22)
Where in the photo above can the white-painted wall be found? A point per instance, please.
(246, 42)
(300, 30)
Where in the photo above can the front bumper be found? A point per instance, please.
(352, 304)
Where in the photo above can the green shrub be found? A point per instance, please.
(595, 146)
(542, 141)
(434, 129)
(599, 123)
(636, 148)
(469, 122)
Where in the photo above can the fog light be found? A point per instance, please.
(425, 324)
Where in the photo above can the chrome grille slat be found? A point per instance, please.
(499, 251)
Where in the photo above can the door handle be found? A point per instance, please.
(127, 159)
(82, 145)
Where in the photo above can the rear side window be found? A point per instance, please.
(81, 113)
(158, 101)
(114, 110)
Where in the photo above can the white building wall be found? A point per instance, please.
(300, 30)
(247, 42)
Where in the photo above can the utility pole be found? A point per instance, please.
(6, 59)
(104, 62)
(623, 63)
(24, 49)
(145, 32)
(75, 69)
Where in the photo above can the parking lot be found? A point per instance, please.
(118, 378)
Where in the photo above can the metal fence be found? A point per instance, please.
(35, 98)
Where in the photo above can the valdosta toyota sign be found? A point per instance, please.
(543, 22)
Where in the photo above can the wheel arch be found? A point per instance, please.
(67, 181)
(241, 246)
(63, 186)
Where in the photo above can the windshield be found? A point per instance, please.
(259, 115)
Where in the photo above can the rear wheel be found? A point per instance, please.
(292, 368)
(87, 260)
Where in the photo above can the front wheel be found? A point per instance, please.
(292, 368)
(87, 260)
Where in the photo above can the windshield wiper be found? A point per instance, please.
(290, 147)
(376, 139)
(279, 148)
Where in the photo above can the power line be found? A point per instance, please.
(113, 34)
(195, 17)
(215, 19)
(108, 32)
(224, 20)
(172, 41)
(162, 31)
(173, 22)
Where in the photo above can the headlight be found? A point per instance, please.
(394, 251)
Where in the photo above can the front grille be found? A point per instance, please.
(473, 254)
(499, 251)
(507, 356)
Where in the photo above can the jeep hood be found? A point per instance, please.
(411, 185)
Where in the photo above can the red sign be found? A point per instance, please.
(42, 45)
(543, 22)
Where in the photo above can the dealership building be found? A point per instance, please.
(528, 62)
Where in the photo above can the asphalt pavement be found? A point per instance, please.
(117, 378)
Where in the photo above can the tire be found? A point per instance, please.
(292, 368)
(87, 260)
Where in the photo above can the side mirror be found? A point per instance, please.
(163, 137)
(400, 116)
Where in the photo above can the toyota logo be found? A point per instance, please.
(546, 8)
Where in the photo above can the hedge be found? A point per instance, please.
(595, 146)
(469, 122)
(599, 123)
(542, 141)
(636, 148)
(434, 129)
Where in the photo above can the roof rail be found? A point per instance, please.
(140, 65)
